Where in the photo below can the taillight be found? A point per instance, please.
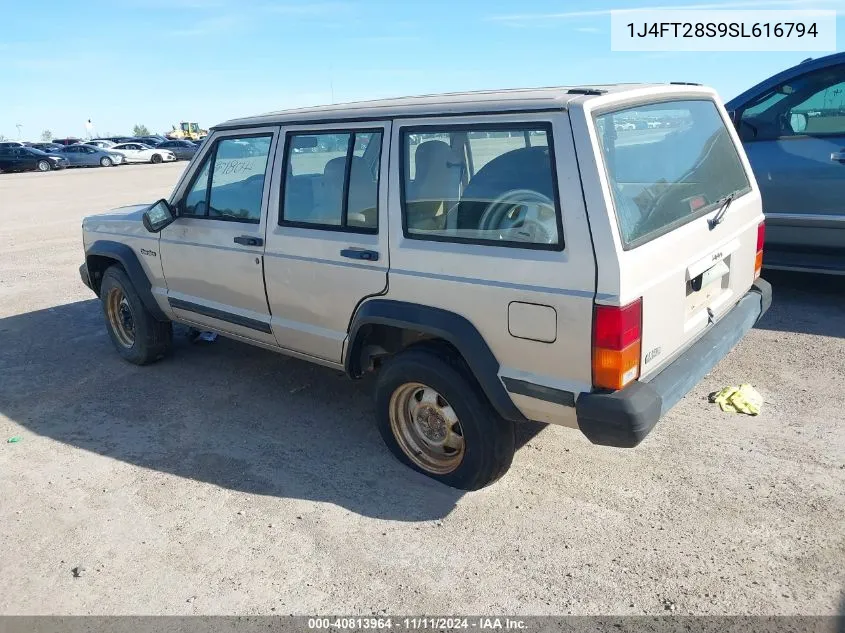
(616, 344)
(758, 259)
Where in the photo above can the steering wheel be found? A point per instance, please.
(522, 209)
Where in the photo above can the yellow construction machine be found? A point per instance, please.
(187, 130)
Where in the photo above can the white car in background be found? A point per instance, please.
(141, 153)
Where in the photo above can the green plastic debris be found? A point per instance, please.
(742, 399)
(14, 439)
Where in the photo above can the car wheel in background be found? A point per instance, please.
(105, 161)
(156, 159)
(43, 165)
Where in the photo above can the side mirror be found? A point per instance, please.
(798, 122)
(158, 216)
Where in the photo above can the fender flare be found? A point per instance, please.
(127, 258)
(449, 326)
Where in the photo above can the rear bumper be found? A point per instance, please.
(623, 418)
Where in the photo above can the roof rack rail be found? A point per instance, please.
(684, 83)
(585, 91)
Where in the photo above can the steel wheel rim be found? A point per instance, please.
(120, 317)
(427, 428)
(43, 165)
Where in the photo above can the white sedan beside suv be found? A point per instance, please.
(141, 153)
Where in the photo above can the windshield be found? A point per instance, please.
(667, 164)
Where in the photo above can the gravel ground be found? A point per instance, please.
(227, 479)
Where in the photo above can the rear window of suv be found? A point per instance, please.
(667, 163)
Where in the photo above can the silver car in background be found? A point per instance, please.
(82, 155)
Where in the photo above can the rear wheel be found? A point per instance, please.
(43, 165)
(105, 161)
(434, 418)
(137, 335)
(156, 159)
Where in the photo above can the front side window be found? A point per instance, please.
(487, 185)
(812, 104)
(230, 183)
(194, 204)
(667, 163)
(331, 180)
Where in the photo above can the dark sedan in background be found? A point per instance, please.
(184, 150)
(47, 147)
(70, 140)
(29, 159)
(792, 126)
(153, 140)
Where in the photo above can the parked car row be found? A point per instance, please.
(100, 152)
(29, 159)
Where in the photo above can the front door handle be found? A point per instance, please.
(838, 157)
(359, 253)
(248, 240)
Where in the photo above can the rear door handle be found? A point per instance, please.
(248, 240)
(838, 157)
(358, 253)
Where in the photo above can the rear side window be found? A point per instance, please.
(331, 180)
(667, 163)
(480, 184)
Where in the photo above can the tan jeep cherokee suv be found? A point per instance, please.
(575, 256)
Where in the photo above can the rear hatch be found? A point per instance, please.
(683, 213)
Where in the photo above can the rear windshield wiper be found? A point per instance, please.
(716, 220)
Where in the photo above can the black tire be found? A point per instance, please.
(43, 165)
(156, 159)
(489, 439)
(152, 339)
(105, 161)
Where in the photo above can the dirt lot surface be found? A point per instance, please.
(227, 479)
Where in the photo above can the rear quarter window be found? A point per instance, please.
(490, 184)
(667, 164)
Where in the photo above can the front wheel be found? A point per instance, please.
(43, 165)
(156, 159)
(137, 335)
(434, 418)
(105, 161)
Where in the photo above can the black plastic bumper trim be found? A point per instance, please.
(541, 392)
(624, 418)
(214, 313)
(83, 274)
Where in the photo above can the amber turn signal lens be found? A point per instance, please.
(758, 264)
(614, 369)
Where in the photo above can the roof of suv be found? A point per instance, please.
(514, 100)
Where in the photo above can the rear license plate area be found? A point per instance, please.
(706, 287)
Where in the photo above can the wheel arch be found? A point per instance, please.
(104, 253)
(383, 326)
